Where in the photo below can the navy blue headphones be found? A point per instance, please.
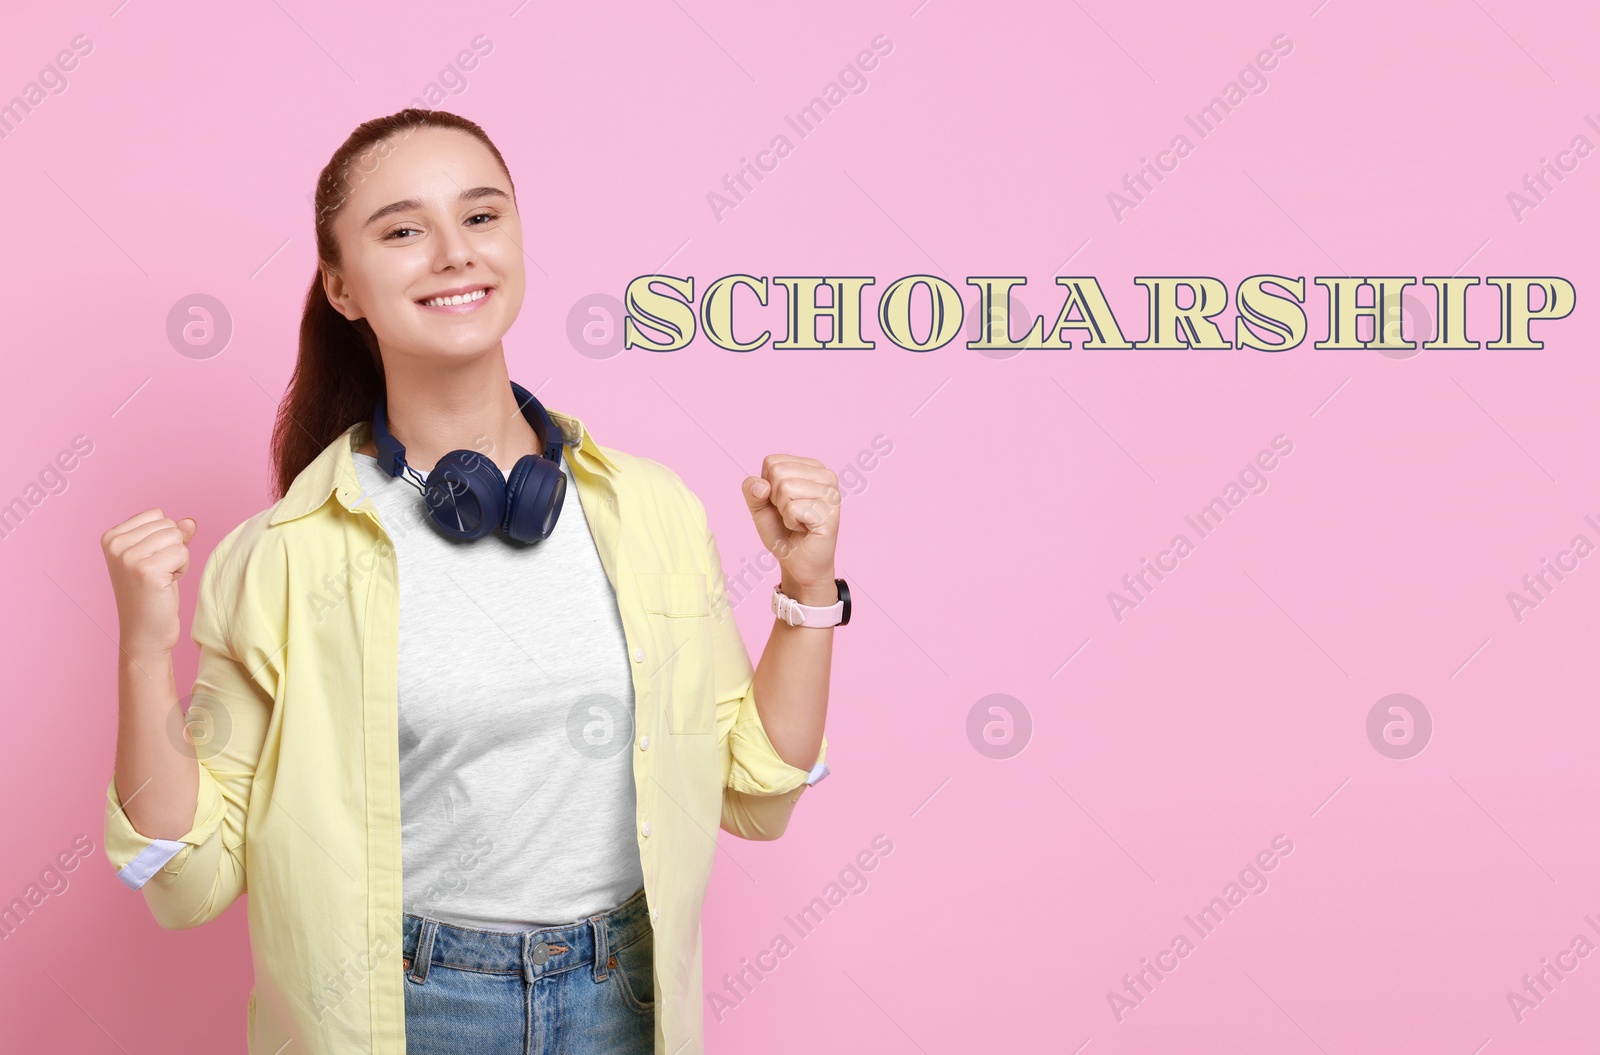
(466, 493)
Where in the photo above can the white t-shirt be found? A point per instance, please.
(516, 721)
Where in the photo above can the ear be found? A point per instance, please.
(338, 293)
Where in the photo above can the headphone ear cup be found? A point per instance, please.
(466, 495)
(534, 495)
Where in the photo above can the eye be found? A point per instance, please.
(486, 216)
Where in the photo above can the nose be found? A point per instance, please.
(452, 247)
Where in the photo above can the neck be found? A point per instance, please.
(436, 409)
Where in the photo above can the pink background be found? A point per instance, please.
(1227, 709)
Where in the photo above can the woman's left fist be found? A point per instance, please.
(795, 504)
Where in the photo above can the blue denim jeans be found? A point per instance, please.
(578, 989)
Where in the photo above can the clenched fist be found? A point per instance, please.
(146, 555)
(795, 504)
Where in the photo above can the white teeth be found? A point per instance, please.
(465, 298)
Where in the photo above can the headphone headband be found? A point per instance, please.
(392, 453)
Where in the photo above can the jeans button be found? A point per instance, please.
(541, 953)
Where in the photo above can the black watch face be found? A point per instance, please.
(844, 595)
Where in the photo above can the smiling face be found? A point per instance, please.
(434, 218)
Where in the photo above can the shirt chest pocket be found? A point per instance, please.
(678, 659)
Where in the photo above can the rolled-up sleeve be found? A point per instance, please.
(760, 789)
(192, 879)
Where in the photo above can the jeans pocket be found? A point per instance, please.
(634, 974)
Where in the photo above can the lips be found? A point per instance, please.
(457, 290)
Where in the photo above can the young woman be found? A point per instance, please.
(468, 749)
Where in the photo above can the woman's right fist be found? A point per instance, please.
(146, 555)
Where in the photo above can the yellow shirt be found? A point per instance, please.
(295, 716)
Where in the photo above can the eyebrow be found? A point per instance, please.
(409, 204)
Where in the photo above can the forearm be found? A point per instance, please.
(156, 777)
(791, 680)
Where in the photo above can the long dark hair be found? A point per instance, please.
(338, 374)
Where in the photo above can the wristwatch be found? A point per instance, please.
(817, 617)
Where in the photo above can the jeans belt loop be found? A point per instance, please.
(602, 953)
(424, 954)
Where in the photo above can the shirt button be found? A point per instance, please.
(644, 743)
(646, 829)
(655, 915)
(638, 655)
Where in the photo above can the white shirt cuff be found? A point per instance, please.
(138, 871)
